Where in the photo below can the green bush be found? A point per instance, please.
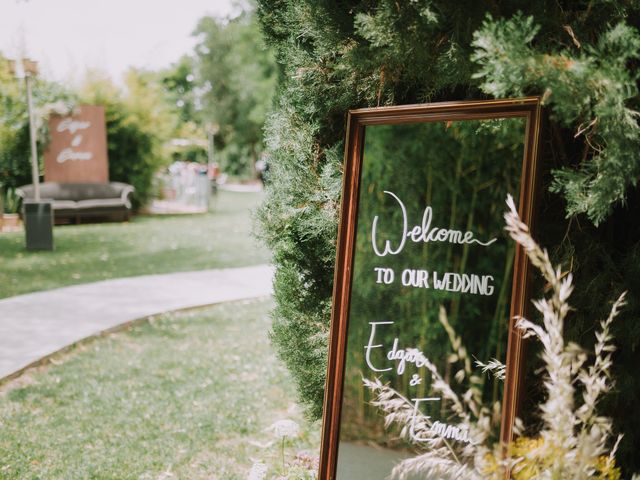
(138, 124)
(130, 150)
(15, 143)
(581, 57)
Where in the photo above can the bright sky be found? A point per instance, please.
(68, 36)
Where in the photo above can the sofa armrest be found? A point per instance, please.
(127, 190)
(20, 193)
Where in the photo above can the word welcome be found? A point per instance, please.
(448, 281)
(420, 233)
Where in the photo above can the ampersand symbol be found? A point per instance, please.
(415, 380)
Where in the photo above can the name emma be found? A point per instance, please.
(423, 232)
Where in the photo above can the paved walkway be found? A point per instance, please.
(36, 325)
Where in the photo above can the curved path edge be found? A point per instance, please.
(36, 325)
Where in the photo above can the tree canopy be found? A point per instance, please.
(236, 77)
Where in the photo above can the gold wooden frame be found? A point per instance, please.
(528, 108)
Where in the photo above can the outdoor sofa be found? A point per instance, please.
(75, 201)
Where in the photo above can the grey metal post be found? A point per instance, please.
(211, 148)
(35, 172)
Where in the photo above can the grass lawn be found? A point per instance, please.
(185, 396)
(147, 244)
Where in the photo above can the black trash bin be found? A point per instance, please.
(38, 224)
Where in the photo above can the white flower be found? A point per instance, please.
(285, 428)
(258, 471)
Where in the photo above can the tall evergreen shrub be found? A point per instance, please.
(581, 56)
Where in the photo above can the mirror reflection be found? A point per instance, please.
(431, 287)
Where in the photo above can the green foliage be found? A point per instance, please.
(236, 82)
(139, 124)
(587, 90)
(178, 82)
(335, 58)
(182, 94)
(340, 55)
(15, 146)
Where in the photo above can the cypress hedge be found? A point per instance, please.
(580, 56)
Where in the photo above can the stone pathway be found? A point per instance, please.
(35, 325)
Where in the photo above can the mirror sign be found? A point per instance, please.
(399, 245)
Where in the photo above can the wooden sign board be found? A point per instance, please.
(77, 151)
(422, 253)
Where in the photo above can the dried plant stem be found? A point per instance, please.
(572, 442)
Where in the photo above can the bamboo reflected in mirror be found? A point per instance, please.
(426, 280)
